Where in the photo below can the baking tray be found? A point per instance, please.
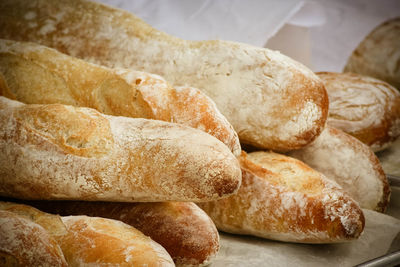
(393, 258)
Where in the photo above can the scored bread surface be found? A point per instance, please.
(249, 85)
(25, 243)
(35, 74)
(351, 164)
(283, 199)
(63, 152)
(364, 107)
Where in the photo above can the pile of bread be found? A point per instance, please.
(86, 132)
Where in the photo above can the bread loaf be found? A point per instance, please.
(351, 164)
(62, 152)
(182, 228)
(35, 74)
(378, 55)
(93, 241)
(364, 107)
(249, 85)
(25, 243)
(283, 199)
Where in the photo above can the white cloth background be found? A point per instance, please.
(347, 23)
(335, 26)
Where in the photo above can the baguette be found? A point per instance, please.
(249, 85)
(283, 199)
(93, 240)
(182, 228)
(364, 107)
(378, 54)
(35, 74)
(96, 241)
(61, 152)
(25, 243)
(351, 164)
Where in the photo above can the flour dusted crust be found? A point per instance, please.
(35, 74)
(283, 199)
(378, 55)
(364, 107)
(62, 152)
(25, 243)
(249, 85)
(182, 228)
(351, 164)
(93, 241)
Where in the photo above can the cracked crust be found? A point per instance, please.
(283, 199)
(36, 74)
(351, 164)
(364, 107)
(62, 152)
(249, 85)
(25, 243)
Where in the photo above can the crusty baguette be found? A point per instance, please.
(250, 85)
(35, 74)
(182, 228)
(351, 164)
(283, 199)
(364, 107)
(378, 54)
(62, 152)
(25, 243)
(93, 241)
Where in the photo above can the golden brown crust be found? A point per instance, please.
(87, 134)
(182, 228)
(62, 152)
(284, 199)
(378, 54)
(249, 85)
(351, 164)
(25, 243)
(364, 107)
(52, 223)
(35, 74)
(92, 240)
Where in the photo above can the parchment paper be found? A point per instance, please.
(380, 231)
(390, 158)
